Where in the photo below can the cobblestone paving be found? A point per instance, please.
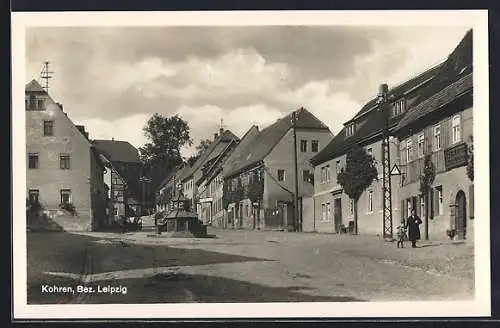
(247, 266)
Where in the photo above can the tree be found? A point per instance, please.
(204, 144)
(357, 176)
(162, 152)
(426, 180)
(255, 192)
(470, 159)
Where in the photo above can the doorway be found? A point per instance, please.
(337, 213)
(460, 215)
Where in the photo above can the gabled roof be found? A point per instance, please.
(374, 120)
(235, 158)
(213, 150)
(400, 90)
(34, 86)
(117, 151)
(267, 139)
(453, 80)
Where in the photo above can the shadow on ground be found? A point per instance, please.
(123, 256)
(185, 288)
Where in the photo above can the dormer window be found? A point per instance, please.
(398, 107)
(349, 130)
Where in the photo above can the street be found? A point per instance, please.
(242, 266)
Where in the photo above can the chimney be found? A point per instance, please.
(221, 131)
(215, 136)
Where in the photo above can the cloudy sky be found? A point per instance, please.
(113, 79)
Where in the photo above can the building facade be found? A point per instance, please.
(267, 163)
(193, 179)
(64, 172)
(411, 140)
(122, 172)
(333, 209)
(441, 128)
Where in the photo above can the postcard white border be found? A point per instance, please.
(477, 19)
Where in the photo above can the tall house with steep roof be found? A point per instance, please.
(411, 103)
(440, 126)
(266, 166)
(64, 172)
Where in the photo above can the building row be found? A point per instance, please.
(77, 183)
(430, 114)
(248, 182)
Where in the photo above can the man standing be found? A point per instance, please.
(412, 226)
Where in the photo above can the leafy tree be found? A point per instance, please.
(357, 176)
(166, 136)
(470, 159)
(426, 180)
(255, 192)
(204, 144)
(226, 194)
(192, 159)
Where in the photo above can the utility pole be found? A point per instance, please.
(296, 226)
(383, 103)
(45, 75)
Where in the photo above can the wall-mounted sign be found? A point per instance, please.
(455, 156)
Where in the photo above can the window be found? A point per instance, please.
(398, 107)
(64, 161)
(456, 129)
(48, 128)
(409, 151)
(438, 207)
(305, 175)
(337, 167)
(32, 160)
(34, 103)
(328, 211)
(328, 173)
(323, 174)
(281, 175)
(315, 146)
(349, 131)
(116, 211)
(420, 145)
(323, 212)
(408, 207)
(422, 206)
(33, 196)
(303, 146)
(437, 137)
(370, 201)
(65, 196)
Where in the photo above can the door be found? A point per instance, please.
(337, 213)
(460, 215)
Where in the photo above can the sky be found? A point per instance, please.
(112, 79)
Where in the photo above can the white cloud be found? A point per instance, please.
(127, 129)
(319, 97)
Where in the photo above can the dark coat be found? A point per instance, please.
(412, 224)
